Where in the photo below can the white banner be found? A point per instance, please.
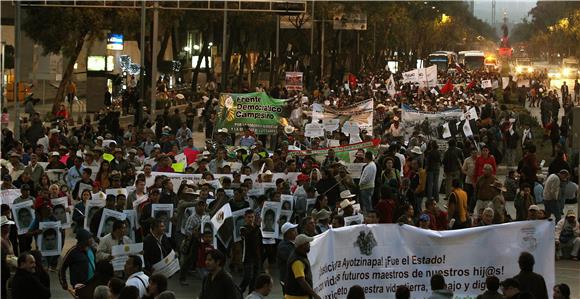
(9, 195)
(381, 257)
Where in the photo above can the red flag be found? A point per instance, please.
(191, 155)
(471, 84)
(447, 88)
(458, 68)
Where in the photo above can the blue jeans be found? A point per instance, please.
(366, 199)
(432, 185)
(553, 207)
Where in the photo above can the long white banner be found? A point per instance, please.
(384, 256)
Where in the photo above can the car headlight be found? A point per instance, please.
(530, 70)
(519, 69)
(566, 72)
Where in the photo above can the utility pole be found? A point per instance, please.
(224, 48)
(17, 42)
(142, 70)
(277, 50)
(312, 32)
(155, 50)
(323, 24)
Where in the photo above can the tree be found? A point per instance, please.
(66, 30)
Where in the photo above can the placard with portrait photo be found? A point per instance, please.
(208, 231)
(92, 207)
(287, 202)
(131, 222)
(107, 220)
(285, 216)
(353, 220)
(23, 215)
(270, 215)
(50, 239)
(163, 212)
(60, 211)
(239, 221)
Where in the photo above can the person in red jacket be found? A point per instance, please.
(485, 158)
(62, 112)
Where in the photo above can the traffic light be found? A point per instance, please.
(8, 57)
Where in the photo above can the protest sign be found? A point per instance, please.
(257, 110)
(446, 131)
(117, 191)
(360, 113)
(340, 151)
(314, 130)
(56, 175)
(91, 207)
(353, 220)
(23, 215)
(294, 80)
(168, 266)
(270, 215)
(331, 124)
(50, 240)
(486, 84)
(355, 169)
(428, 123)
(163, 212)
(60, 211)
(122, 252)
(350, 127)
(107, 219)
(207, 228)
(287, 202)
(238, 218)
(467, 129)
(132, 223)
(411, 76)
(223, 224)
(391, 86)
(9, 195)
(381, 257)
(83, 187)
(285, 216)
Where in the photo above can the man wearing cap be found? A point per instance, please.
(285, 248)
(119, 163)
(323, 219)
(80, 260)
(534, 213)
(298, 282)
(568, 235)
(346, 204)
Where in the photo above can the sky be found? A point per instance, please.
(516, 9)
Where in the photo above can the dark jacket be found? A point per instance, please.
(452, 160)
(221, 286)
(285, 248)
(77, 261)
(532, 283)
(26, 285)
(490, 295)
(153, 252)
(292, 287)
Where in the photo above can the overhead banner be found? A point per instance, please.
(361, 113)
(257, 110)
(342, 152)
(381, 257)
(294, 80)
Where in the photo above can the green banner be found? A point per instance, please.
(257, 110)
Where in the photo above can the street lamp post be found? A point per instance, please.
(17, 42)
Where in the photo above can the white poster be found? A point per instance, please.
(314, 130)
(50, 240)
(117, 191)
(486, 83)
(238, 217)
(176, 178)
(285, 216)
(132, 223)
(91, 207)
(23, 215)
(350, 127)
(168, 266)
(164, 213)
(391, 86)
(83, 187)
(9, 195)
(355, 169)
(122, 252)
(331, 124)
(223, 224)
(270, 216)
(411, 76)
(380, 257)
(446, 131)
(207, 228)
(353, 220)
(60, 211)
(107, 220)
(467, 129)
(287, 202)
(56, 175)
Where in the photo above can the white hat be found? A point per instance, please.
(288, 129)
(180, 96)
(53, 131)
(100, 138)
(302, 239)
(346, 194)
(288, 226)
(534, 208)
(223, 130)
(380, 106)
(55, 154)
(157, 146)
(268, 172)
(416, 150)
(345, 203)
(5, 221)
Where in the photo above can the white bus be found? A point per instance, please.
(472, 60)
(443, 60)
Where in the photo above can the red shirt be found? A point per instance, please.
(202, 252)
(480, 161)
(385, 209)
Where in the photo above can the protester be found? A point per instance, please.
(299, 277)
(568, 235)
(24, 283)
(528, 280)
(80, 260)
(439, 288)
(218, 283)
(262, 287)
(492, 287)
(136, 278)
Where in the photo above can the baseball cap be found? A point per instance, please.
(534, 208)
(570, 213)
(302, 239)
(288, 226)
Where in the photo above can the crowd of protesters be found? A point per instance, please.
(401, 182)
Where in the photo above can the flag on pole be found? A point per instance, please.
(447, 88)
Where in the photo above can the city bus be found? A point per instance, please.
(443, 60)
